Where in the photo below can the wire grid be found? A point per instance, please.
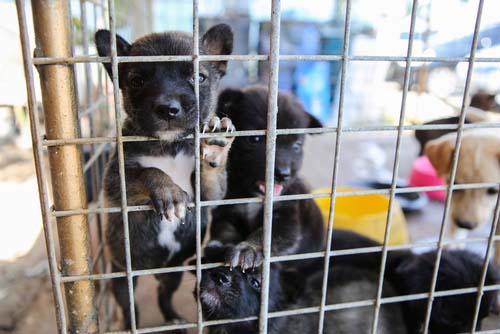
(97, 155)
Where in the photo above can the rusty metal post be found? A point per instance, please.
(53, 39)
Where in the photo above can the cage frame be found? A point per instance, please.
(50, 213)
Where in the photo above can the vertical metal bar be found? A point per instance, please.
(395, 169)
(482, 281)
(53, 36)
(197, 199)
(42, 180)
(454, 165)
(326, 264)
(272, 112)
(121, 165)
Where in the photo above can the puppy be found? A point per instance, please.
(409, 273)
(297, 225)
(479, 161)
(159, 101)
(450, 314)
(232, 294)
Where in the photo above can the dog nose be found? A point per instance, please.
(465, 224)
(221, 277)
(170, 109)
(282, 173)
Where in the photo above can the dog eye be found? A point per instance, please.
(297, 146)
(254, 139)
(492, 191)
(255, 283)
(201, 78)
(137, 81)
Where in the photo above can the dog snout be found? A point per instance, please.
(282, 173)
(221, 277)
(465, 224)
(169, 109)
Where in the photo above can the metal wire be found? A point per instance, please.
(343, 71)
(454, 165)
(196, 68)
(272, 113)
(121, 165)
(395, 169)
(42, 180)
(202, 58)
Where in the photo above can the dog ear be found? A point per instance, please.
(103, 43)
(314, 122)
(227, 102)
(440, 153)
(218, 40)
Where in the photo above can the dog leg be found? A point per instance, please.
(120, 291)
(214, 152)
(168, 285)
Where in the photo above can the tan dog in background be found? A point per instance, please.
(479, 161)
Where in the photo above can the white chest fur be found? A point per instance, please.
(179, 168)
(166, 237)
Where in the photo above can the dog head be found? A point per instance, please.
(159, 96)
(484, 101)
(479, 161)
(247, 109)
(458, 269)
(231, 294)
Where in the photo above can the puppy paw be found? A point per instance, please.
(215, 150)
(170, 202)
(245, 255)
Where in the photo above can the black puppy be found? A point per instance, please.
(451, 314)
(159, 101)
(232, 294)
(297, 225)
(411, 273)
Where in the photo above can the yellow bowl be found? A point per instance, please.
(366, 215)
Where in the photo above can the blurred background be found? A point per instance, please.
(373, 94)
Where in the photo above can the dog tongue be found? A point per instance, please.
(277, 188)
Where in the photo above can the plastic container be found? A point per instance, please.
(423, 174)
(366, 215)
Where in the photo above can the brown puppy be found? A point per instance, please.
(479, 161)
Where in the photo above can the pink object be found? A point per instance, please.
(423, 174)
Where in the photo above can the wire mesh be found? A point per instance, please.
(98, 143)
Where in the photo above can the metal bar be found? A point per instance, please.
(336, 163)
(279, 132)
(272, 112)
(205, 58)
(486, 263)
(453, 172)
(121, 165)
(95, 155)
(90, 108)
(42, 180)
(53, 36)
(278, 258)
(395, 169)
(197, 199)
(365, 192)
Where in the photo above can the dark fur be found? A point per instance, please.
(409, 273)
(151, 93)
(480, 100)
(297, 225)
(227, 294)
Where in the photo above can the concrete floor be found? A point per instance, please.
(25, 293)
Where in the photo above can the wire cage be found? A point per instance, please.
(80, 273)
